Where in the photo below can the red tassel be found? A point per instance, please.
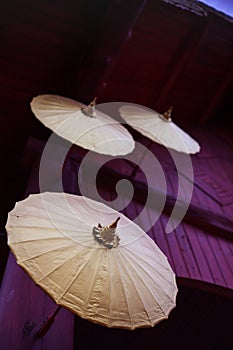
(48, 323)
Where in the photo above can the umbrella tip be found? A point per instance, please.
(114, 223)
(93, 102)
(167, 115)
(89, 111)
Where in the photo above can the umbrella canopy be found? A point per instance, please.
(82, 125)
(92, 260)
(159, 128)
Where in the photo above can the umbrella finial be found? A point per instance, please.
(167, 115)
(107, 235)
(114, 223)
(89, 111)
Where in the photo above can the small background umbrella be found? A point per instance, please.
(159, 128)
(82, 125)
(57, 240)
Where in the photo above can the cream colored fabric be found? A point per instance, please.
(129, 286)
(101, 134)
(150, 124)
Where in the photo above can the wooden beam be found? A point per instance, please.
(117, 23)
(209, 221)
(218, 95)
(184, 52)
(204, 286)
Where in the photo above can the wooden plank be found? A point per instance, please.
(191, 233)
(163, 157)
(186, 236)
(223, 251)
(183, 234)
(208, 243)
(158, 234)
(221, 247)
(223, 183)
(207, 179)
(197, 256)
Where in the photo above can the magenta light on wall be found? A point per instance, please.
(225, 6)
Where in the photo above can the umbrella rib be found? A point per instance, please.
(126, 298)
(64, 262)
(57, 238)
(149, 318)
(130, 263)
(157, 285)
(74, 278)
(53, 211)
(137, 258)
(70, 113)
(92, 285)
(110, 291)
(152, 279)
(46, 252)
(41, 239)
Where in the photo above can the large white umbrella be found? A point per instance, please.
(159, 128)
(82, 125)
(92, 260)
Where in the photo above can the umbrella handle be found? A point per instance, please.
(48, 323)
